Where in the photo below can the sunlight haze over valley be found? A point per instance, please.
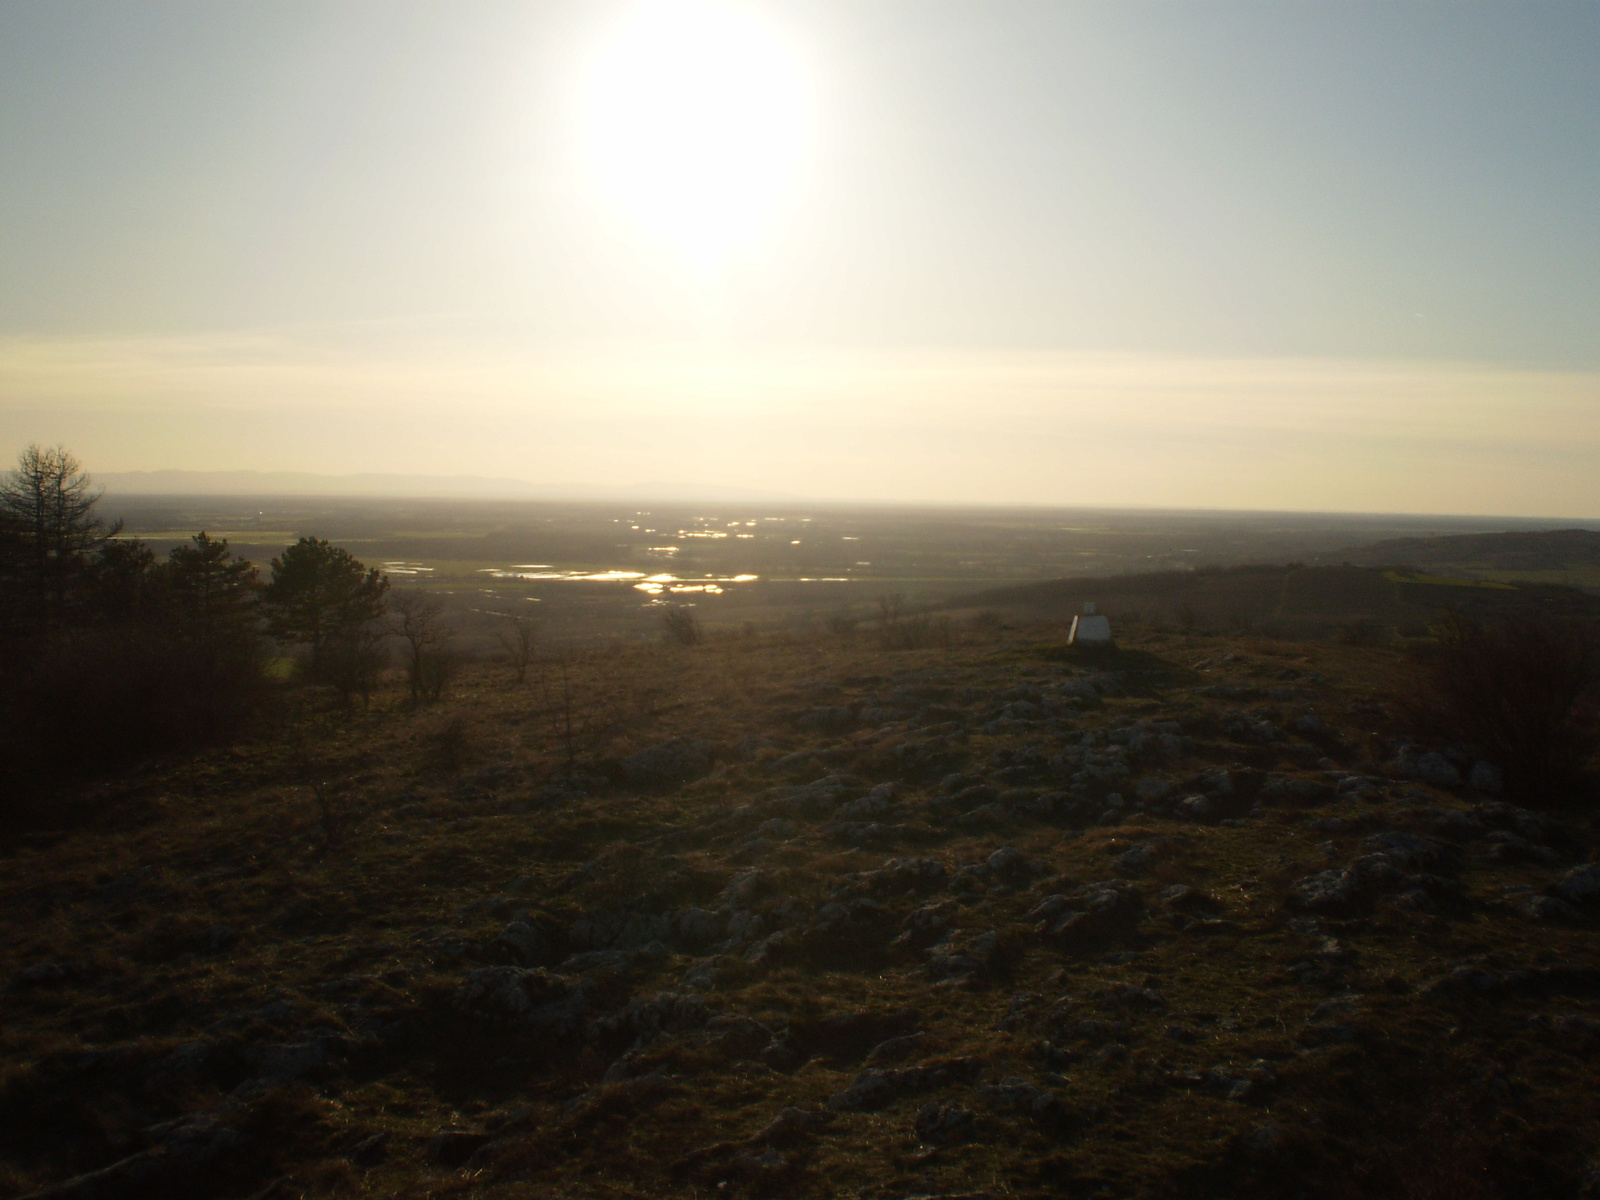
(1300, 256)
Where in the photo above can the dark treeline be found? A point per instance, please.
(109, 652)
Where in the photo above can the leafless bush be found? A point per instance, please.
(590, 697)
(439, 670)
(1525, 692)
(682, 627)
(97, 698)
(842, 624)
(352, 662)
(1364, 632)
(333, 814)
(419, 620)
(452, 746)
(519, 642)
(899, 631)
(921, 632)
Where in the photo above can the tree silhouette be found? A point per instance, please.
(213, 592)
(322, 597)
(51, 506)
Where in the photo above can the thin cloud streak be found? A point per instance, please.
(906, 425)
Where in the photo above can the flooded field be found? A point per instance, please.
(608, 569)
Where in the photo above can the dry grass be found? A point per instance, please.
(212, 901)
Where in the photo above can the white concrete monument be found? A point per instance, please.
(1090, 628)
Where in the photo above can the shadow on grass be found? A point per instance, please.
(1144, 671)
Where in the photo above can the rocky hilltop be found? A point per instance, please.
(795, 916)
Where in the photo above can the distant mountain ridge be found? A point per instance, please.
(464, 487)
(1541, 550)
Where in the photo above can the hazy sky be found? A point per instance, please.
(1330, 255)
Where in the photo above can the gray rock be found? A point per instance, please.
(1092, 912)
(1306, 792)
(792, 1124)
(1265, 1141)
(675, 761)
(45, 974)
(1128, 995)
(523, 944)
(622, 928)
(527, 998)
(962, 959)
(1014, 1094)
(941, 1124)
(1505, 846)
(871, 1089)
(1327, 891)
(1141, 856)
(371, 1151)
(1428, 767)
(874, 804)
(697, 928)
(190, 1147)
(706, 973)
(453, 1147)
(799, 762)
(1197, 807)
(925, 925)
(1580, 886)
(1152, 791)
(1409, 850)
(1548, 910)
(874, 1088)
(895, 1049)
(646, 1020)
(1485, 777)
(282, 1063)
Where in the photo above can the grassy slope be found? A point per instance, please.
(1288, 600)
(1359, 1064)
(1541, 550)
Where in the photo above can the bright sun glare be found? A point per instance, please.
(696, 123)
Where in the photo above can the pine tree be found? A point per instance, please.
(214, 593)
(322, 597)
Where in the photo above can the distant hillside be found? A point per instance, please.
(1545, 550)
(1303, 601)
(305, 483)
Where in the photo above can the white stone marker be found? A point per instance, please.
(1090, 629)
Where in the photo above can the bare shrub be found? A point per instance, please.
(333, 814)
(842, 624)
(592, 696)
(519, 643)
(440, 668)
(99, 698)
(920, 632)
(899, 631)
(419, 620)
(1525, 692)
(682, 627)
(351, 663)
(1364, 632)
(451, 746)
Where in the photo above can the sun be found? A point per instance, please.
(696, 122)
